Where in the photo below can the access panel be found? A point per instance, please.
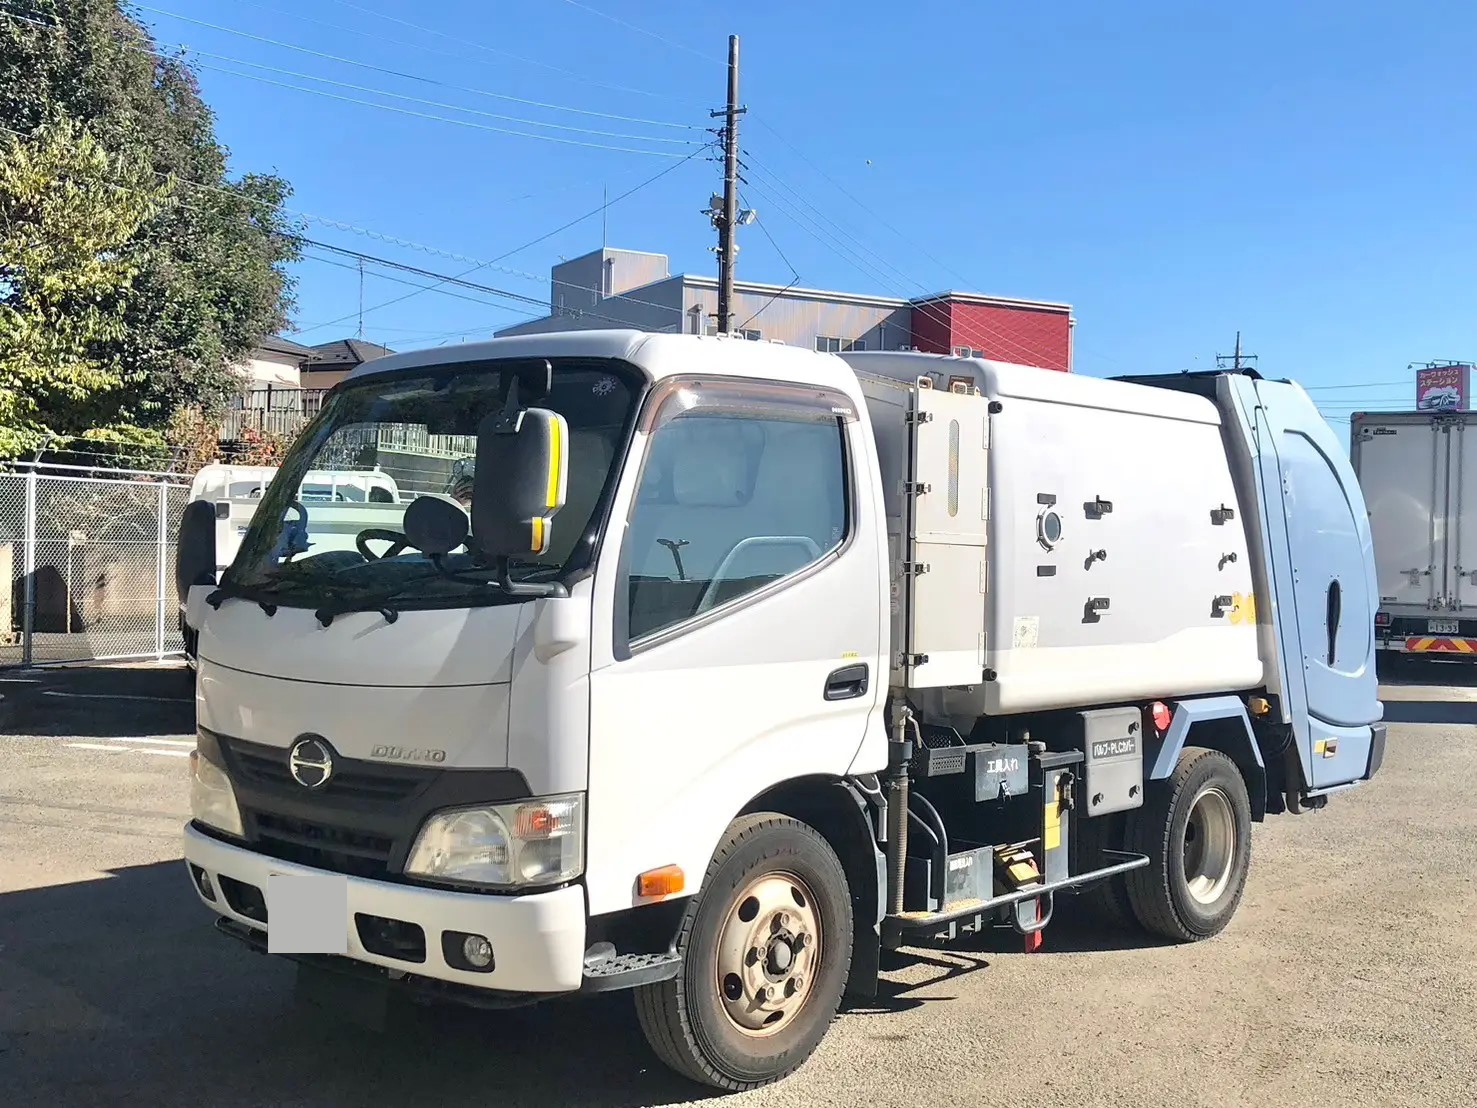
(949, 510)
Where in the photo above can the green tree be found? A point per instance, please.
(66, 210)
(208, 261)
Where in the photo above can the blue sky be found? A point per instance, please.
(1176, 171)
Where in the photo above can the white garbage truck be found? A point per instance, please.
(746, 664)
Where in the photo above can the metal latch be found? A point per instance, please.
(912, 660)
(1221, 605)
(1094, 605)
(916, 488)
(1219, 516)
(1097, 507)
(915, 568)
(918, 417)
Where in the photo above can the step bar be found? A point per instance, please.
(896, 927)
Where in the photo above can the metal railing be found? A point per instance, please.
(86, 561)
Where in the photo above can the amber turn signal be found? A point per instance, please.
(664, 881)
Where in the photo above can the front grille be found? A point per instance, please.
(363, 821)
(323, 845)
(267, 765)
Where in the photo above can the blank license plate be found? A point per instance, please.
(1443, 627)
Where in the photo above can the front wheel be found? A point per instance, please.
(1195, 828)
(766, 949)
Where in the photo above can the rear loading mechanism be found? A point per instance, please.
(1027, 795)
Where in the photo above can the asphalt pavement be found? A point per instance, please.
(1348, 977)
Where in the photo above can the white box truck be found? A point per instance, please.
(1419, 478)
(749, 663)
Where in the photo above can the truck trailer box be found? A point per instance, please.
(1418, 472)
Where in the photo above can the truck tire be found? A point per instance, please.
(766, 949)
(1195, 828)
(1107, 900)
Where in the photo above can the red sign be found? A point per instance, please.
(1442, 388)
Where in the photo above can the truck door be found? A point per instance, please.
(739, 616)
(1460, 525)
(1327, 621)
(1402, 470)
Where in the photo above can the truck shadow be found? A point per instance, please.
(119, 991)
(1430, 711)
(97, 701)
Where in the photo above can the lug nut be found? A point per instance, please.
(798, 981)
(765, 994)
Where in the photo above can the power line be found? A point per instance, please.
(547, 235)
(418, 100)
(639, 30)
(479, 264)
(973, 332)
(432, 103)
(408, 76)
(440, 118)
(489, 49)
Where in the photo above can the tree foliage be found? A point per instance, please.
(200, 276)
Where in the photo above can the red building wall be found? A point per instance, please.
(1005, 332)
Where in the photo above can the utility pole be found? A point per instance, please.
(1235, 359)
(361, 298)
(727, 219)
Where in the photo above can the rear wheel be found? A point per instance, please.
(766, 949)
(1195, 828)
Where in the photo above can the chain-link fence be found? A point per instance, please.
(90, 566)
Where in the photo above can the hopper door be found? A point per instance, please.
(948, 511)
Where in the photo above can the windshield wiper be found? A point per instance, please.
(497, 578)
(266, 599)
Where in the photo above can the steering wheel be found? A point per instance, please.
(397, 540)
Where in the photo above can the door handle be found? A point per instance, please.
(1335, 611)
(847, 683)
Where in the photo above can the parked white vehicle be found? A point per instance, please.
(234, 492)
(752, 662)
(1419, 477)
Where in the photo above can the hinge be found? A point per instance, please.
(912, 660)
(916, 488)
(918, 417)
(915, 568)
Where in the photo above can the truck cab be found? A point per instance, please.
(744, 663)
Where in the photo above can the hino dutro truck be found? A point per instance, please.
(1420, 482)
(747, 664)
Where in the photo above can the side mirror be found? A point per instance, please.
(194, 556)
(520, 482)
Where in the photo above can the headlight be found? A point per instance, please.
(212, 800)
(532, 842)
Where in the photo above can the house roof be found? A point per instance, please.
(276, 344)
(347, 352)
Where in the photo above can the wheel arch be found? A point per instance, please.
(1217, 723)
(840, 812)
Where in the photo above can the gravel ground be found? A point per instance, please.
(1349, 976)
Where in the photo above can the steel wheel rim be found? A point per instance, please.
(768, 950)
(1210, 845)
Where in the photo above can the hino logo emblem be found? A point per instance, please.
(310, 761)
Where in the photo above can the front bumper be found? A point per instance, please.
(538, 940)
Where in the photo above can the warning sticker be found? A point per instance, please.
(1026, 633)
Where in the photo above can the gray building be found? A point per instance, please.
(632, 288)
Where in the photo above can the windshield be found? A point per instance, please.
(329, 530)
